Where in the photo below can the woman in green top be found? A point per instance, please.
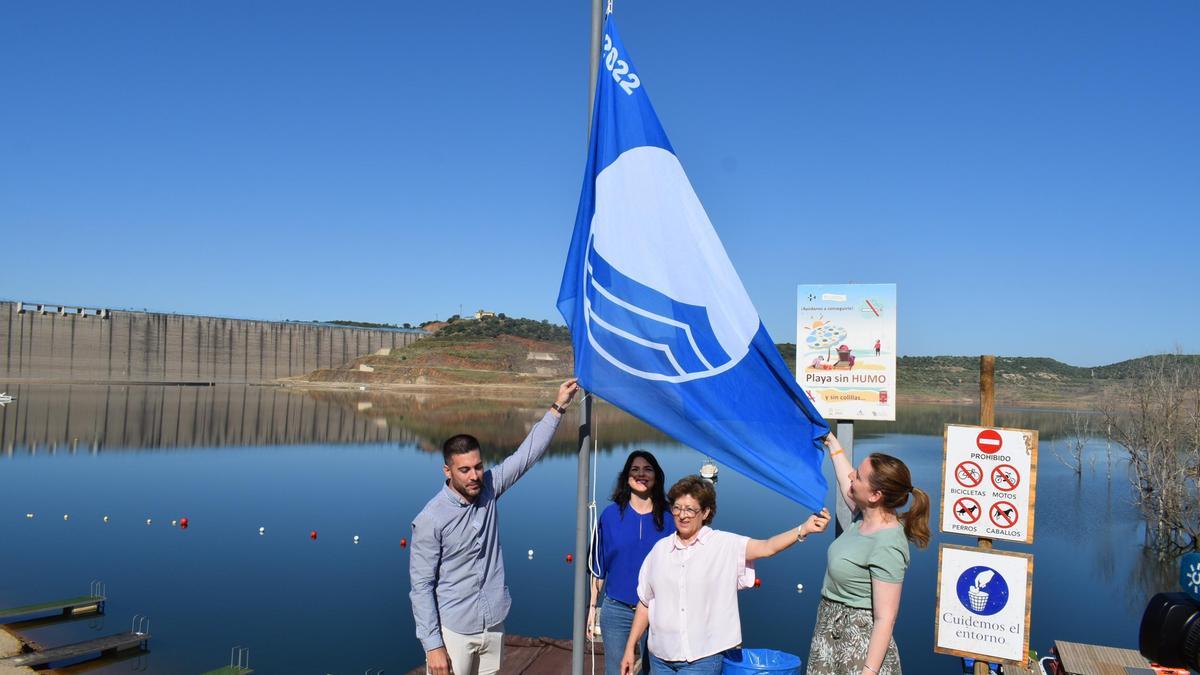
(861, 595)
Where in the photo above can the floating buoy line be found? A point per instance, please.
(182, 523)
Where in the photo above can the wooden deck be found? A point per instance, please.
(110, 643)
(67, 606)
(1081, 659)
(539, 656)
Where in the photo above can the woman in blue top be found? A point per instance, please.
(638, 517)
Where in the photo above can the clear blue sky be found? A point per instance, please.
(1028, 173)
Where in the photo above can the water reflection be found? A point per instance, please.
(90, 418)
(54, 418)
(500, 422)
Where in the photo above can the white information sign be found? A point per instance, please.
(846, 349)
(983, 604)
(989, 476)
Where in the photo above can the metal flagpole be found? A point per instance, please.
(845, 435)
(585, 423)
(581, 538)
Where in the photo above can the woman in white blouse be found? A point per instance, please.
(687, 588)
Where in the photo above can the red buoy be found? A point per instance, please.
(570, 557)
(312, 535)
(183, 523)
(757, 583)
(403, 543)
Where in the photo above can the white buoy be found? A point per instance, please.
(29, 515)
(799, 588)
(174, 523)
(356, 538)
(66, 517)
(106, 519)
(262, 531)
(148, 521)
(530, 553)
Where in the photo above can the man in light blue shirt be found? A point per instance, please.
(456, 567)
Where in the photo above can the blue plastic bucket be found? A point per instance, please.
(760, 662)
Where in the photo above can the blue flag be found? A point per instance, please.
(661, 324)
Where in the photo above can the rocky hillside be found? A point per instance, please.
(492, 351)
(501, 351)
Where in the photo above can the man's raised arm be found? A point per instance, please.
(534, 446)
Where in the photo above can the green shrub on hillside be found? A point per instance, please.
(494, 326)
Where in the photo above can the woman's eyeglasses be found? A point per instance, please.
(685, 511)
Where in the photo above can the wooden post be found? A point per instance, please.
(987, 414)
(987, 418)
(987, 391)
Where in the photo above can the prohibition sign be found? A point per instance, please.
(989, 441)
(1005, 477)
(968, 474)
(967, 511)
(1003, 514)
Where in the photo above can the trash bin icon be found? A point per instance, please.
(978, 598)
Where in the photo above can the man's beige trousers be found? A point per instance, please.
(476, 654)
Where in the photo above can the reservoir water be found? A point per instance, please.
(355, 463)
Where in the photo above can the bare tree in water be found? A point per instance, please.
(1155, 417)
(1075, 442)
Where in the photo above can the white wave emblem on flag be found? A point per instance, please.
(661, 300)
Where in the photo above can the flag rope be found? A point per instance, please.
(592, 523)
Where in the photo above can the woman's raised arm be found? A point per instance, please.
(841, 469)
(765, 548)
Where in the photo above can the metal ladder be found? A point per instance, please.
(140, 625)
(239, 658)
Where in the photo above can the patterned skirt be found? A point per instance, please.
(839, 644)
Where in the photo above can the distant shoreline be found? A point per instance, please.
(298, 384)
(492, 390)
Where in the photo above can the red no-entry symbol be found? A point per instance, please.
(1005, 477)
(989, 441)
(1003, 514)
(967, 511)
(968, 474)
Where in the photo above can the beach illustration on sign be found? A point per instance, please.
(829, 349)
(823, 335)
(847, 330)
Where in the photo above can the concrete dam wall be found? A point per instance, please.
(73, 344)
